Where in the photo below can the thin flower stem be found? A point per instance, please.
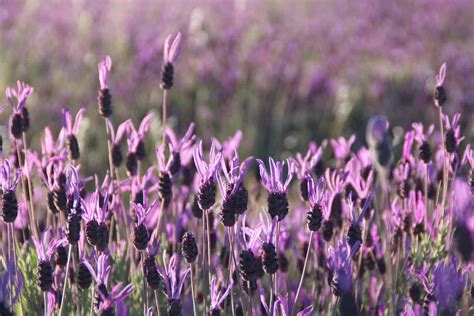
(445, 157)
(145, 293)
(164, 116)
(205, 275)
(231, 250)
(303, 272)
(234, 260)
(157, 303)
(65, 279)
(426, 190)
(208, 243)
(45, 303)
(250, 310)
(25, 193)
(192, 288)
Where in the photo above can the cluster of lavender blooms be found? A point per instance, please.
(361, 233)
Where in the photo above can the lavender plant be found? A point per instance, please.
(379, 233)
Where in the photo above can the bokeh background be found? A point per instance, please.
(283, 72)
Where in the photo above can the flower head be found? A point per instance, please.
(105, 66)
(342, 147)
(217, 297)
(21, 94)
(274, 181)
(306, 164)
(448, 284)
(207, 170)
(70, 126)
(46, 245)
(172, 281)
(171, 50)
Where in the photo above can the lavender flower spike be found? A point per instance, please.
(105, 99)
(316, 194)
(170, 54)
(20, 120)
(70, 129)
(453, 132)
(439, 94)
(277, 189)
(116, 295)
(207, 172)
(234, 193)
(45, 248)
(9, 200)
(217, 297)
(179, 147)
(173, 284)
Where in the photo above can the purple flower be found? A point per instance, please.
(342, 147)
(70, 126)
(21, 94)
(231, 145)
(114, 297)
(46, 245)
(172, 281)
(276, 186)
(181, 150)
(171, 50)
(9, 202)
(274, 181)
(305, 165)
(101, 275)
(217, 297)
(136, 136)
(453, 132)
(208, 173)
(407, 144)
(339, 262)
(104, 66)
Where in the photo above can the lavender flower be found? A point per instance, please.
(170, 54)
(141, 235)
(453, 132)
(164, 176)
(173, 281)
(421, 138)
(138, 135)
(45, 248)
(218, 298)
(8, 188)
(208, 173)
(439, 94)
(342, 147)
(316, 193)
(305, 165)
(20, 120)
(277, 189)
(105, 98)
(70, 129)
(116, 151)
(113, 298)
(235, 195)
(180, 149)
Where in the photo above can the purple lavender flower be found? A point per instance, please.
(277, 189)
(336, 183)
(152, 276)
(173, 284)
(305, 165)
(96, 229)
(9, 201)
(105, 98)
(70, 129)
(20, 121)
(113, 298)
(217, 297)
(141, 236)
(439, 94)
(165, 189)
(170, 54)
(339, 263)
(45, 248)
(421, 138)
(268, 251)
(342, 147)
(234, 193)
(116, 151)
(181, 150)
(453, 132)
(316, 194)
(101, 276)
(208, 173)
(138, 135)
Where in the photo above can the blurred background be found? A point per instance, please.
(284, 72)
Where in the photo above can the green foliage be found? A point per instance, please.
(31, 298)
(427, 249)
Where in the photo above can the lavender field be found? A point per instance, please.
(236, 157)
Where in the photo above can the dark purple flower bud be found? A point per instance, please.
(327, 230)
(101, 289)
(250, 266)
(152, 276)
(314, 218)
(9, 206)
(92, 232)
(269, 258)
(165, 188)
(16, 125)
(84, 277)
(73, 147)
(105, 99)
(140, 237)
(354, 234)
(60, 257)
(116, 154)
(73, 228)
(189, 248)
(439, 94)
(425, 152)
(207, 194)
(175, 307)
(131, 164)
(45, 275)
(196, 209)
